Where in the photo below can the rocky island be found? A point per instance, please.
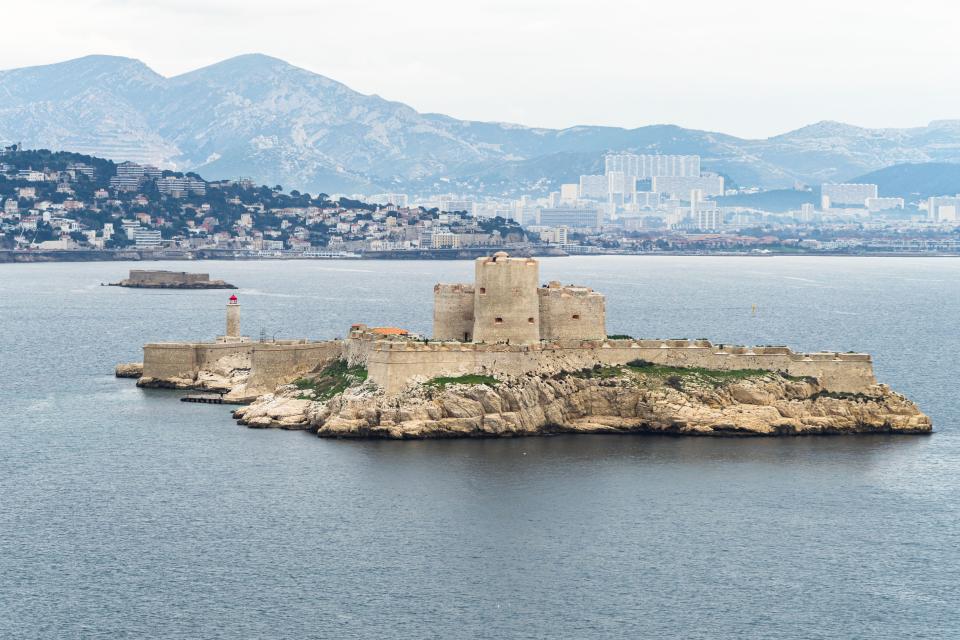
(510, 357)
(639, 398)
(144, 279)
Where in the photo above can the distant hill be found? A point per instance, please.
(262, 118)
(915, 181)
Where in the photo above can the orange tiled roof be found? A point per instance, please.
(389, 331)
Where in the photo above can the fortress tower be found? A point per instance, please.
(233, 318)
(506, 307)
(506, 304)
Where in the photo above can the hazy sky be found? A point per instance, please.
(749, 68)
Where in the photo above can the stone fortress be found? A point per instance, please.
(507, 305)
(155, 279)
(505, 324)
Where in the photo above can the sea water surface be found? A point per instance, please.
(127, 514)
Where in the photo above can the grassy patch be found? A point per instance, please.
(675, 377)
(842, 395)
(442, 382)
(711, 375)
(598, 371)
(333, 379)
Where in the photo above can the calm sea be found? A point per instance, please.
(127, 514)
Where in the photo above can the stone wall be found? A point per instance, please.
(453, 312)
(143, 276)
(276, 364)
(270, 364)
(506, 304)
(393, 364)
(181, 362)
(570, 313)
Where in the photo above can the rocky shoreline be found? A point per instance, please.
(601, 400)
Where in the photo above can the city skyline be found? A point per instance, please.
(696, 65)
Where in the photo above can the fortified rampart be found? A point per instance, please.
(186, 365)
(392, 364)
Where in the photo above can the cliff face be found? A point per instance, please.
(612, 401)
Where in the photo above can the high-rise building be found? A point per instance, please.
(846, 194)
(399, 200)
(622, 183)
(646, 199)
(593, 187)
(884, 204)
(569, 192)
(680, 187)
(652, 165)
(572, 217)
(451, 204)
(943, 208)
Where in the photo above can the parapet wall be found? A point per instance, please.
(393, 365)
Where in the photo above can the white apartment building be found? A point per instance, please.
(593, 187)
(398, 200)
(147, 239)
(652, 165)
(846, 194)
(572, 217)
(884, 204)
(620, 183)
(943, 208)
(179, 187)
(680, 187)
(569, 192)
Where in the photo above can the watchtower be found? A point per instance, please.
(506, 305)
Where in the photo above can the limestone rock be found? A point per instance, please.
(764, 405)
(129, 370)
(767, 405)
(277, 411)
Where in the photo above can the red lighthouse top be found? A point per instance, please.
(233, 299)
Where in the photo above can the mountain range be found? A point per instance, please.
(260, 117)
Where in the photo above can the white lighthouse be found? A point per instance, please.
(233, 318)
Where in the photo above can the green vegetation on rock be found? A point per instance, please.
(443, 382)
(333, 379)
(673, 376)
